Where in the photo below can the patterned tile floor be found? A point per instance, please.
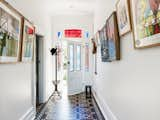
(75, 107)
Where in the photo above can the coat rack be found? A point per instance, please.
(56, 93)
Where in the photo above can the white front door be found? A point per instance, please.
(74, 68)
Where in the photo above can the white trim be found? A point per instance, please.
(106, 111)
(29, 115)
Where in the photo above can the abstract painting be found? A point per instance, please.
(123, 16)
(10, 33)
(113, 38)
(28, 42)
(146, 23)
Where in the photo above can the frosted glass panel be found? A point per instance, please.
(71, 58)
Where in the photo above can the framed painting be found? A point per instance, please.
(123, 16)
(28, 41)
(146, 23)
(113, 38)
(10, 33)
(104, 44)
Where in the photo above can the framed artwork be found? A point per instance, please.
(104, 44)
(113, 38)
(28, 42)
(10, 33)
(123, 16)
(146, 23)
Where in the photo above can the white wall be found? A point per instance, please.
(17, 79)
(130, 87)
(72, 21)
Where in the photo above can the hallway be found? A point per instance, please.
(110, 46)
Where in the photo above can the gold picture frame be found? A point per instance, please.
(113, 38)
(145, 24)
(123, 17)
(10, 34)
(28, 42)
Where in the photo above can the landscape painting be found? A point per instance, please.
(146, 22)
(123, 16)
(28, 42)
(113, 38)
(10, 34)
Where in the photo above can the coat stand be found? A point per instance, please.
(56, 82)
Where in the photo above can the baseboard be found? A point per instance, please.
(106, 111)
(29, 115)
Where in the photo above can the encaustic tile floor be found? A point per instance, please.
(75, 107)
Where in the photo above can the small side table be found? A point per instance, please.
(88, 90)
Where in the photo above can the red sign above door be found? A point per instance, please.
(73, 33)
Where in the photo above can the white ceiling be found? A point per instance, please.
(70, 6)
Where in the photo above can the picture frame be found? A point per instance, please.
(10, 34)
(28, 41)
(123, 17)
(146, 24)
(104, 44)
(113, 38)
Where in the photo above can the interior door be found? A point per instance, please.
(74, 68)
(39, 69)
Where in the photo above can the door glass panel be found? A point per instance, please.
(78, 57)
(71, 58)
(87, 57)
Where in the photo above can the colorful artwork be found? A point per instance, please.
(123, 16)
(28, 42)
(113, 38)
(10, 34)
(104, 44)
(146, 22)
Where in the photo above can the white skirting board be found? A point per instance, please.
(106, 111)
(29, 115)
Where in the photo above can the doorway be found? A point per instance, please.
(39, 71)
(75, 68)
(71, 72)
